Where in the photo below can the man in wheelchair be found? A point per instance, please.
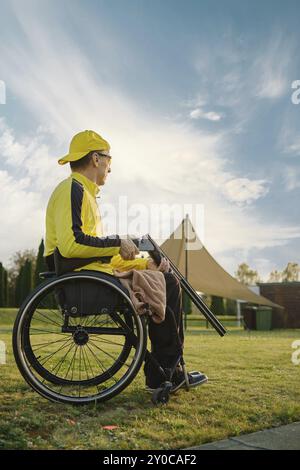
(73, 225)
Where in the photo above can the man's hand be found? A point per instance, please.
(164, 266)
(128, 249)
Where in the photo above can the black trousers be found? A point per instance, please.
(166, 338)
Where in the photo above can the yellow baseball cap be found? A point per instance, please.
(82, 143)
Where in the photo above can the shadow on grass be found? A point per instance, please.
(25, 416)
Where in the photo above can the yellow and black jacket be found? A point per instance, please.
(73, 225)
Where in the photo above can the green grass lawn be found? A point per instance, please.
(252, 385)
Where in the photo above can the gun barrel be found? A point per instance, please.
(157, 253)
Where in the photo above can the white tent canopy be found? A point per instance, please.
(204, 273)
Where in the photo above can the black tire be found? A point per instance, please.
(44, 381)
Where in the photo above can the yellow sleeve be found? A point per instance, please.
(117, 262)
(70, 214)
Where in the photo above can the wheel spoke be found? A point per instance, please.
(99, 362)
(72, 362)
(105, 352)
(50, 319)
(55, 352)
(60, 363)
(104, 340)
(45, 332)
(80, 348)
(87, 358)
(51, 310)
(78, 358)
(40, 345)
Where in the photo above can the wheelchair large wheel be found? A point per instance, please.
(80, 358)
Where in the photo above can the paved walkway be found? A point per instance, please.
(282, 438)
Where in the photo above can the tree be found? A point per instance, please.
(291, 272)
(5, 288)
(18, 260)
(275, 276)
(11, 290)
(40, 264)
(2, 303)
(14, 274)
(217, 305)
(18, 288)
(23, 282)
(27, 279)
(245, 275)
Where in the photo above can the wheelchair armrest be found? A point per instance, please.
(47, 274)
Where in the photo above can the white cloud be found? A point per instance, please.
(213, 116)
(29, 155)
(210, 115)
(22, 216)
(270, 86)
(237, 77)
(13, 152)
(245, 231)
(26, 186)
(154, 161)
(273, 66)
(288, 139)
(243, 190)
(198, 100)
(294, 147)
(196, 113)
(263, 266)
(292, 177)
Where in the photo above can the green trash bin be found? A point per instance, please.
(264, 318)
(249, 317)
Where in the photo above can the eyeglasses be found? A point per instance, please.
(100, 154)
(103, 154)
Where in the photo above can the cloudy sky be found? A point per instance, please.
(194, 97)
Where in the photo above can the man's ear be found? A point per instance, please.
(95, 158)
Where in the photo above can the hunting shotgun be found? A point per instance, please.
(147, 243)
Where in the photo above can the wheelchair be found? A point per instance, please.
(77, 338)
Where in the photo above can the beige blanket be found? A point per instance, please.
(147, 289)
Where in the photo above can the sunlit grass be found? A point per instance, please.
(252, 385)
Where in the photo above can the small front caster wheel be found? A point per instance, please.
(162, 394)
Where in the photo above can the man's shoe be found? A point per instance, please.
(195, 378)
